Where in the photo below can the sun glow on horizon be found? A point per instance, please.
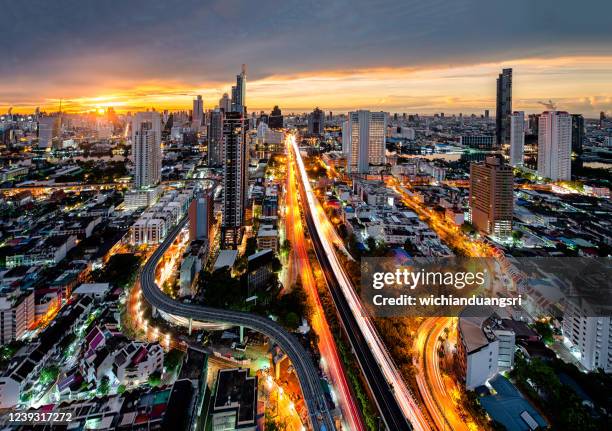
(581, 84)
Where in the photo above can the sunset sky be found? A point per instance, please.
(402, 56)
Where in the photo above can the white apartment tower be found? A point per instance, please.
(555, 145)
(517, 138)
(366, 144)
(146, 149)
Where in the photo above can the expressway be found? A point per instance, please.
(396, 404)
(301, 262)
(307, 373)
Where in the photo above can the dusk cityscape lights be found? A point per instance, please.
(305, 216)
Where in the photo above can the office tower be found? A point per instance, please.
(198, 112)
(275, 120)
(517, 138)
(486, 114)
(504, 107)
(215, 138)
(316, 122)
(491, 197)
(225, 103)
(577, 132)
(602, 119)
(201, 214)
(346, 137)
(48, 129)
(555, 145)
(239, 92)
(367, 140)
(235, 179)
(146, 149)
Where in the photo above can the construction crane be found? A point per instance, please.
(550, 105)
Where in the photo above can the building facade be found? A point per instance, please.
(503, 107)
(146, 149)
(555, 145)
(492, 197)
(367, 140)
(517, 138)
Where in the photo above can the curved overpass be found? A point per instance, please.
(307, 373)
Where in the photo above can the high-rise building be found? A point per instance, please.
(367, 140)
(225, 103)
(201, 215)
(577, 132)
(146, 149)
(316, 122)
(275, 120)
(486, 114)
(346, 137)
(503, 107)
(235, 179)
(517, 138)
(198, 112)
(534, 121)
(602, 119)
(215, 138)
(591, 336)
(492, 197)
(239, 92)
(48, 129)
(555, 145)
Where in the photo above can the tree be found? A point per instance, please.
(276, 264)
(251, 246)
(121, 389)
(286, 246)
(154, 379)
(49, 374)
(104, 386)
(173, 359)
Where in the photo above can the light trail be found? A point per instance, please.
(401, 393)
(327, 345)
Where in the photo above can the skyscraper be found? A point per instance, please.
(235, 181)
(239, 92)
(201, 210)
(225, 103)
(555, 145)
(198, 111)
(346, 137)
(366, 144)
(215, 138)
(48, 129)
(503, 107)
(577, 132)
(517, 138)
(275, 120)
(316, 122)
(492, 197)
(146, 148)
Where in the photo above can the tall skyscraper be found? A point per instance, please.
(366, 145)
(201, 214)
(503, 107)
(577, 132)
(48, 129)
(146, 149)
(215, 138)
(225, 103)
(239, 92)
(275, 120)
(235, 180)
(517, 138)
(555, 145)
(198, 111)
(316, 122)
(486, 114)
(492, 197)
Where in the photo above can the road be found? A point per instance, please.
(301, 265)
(396, 404)
(436, 394)
(307, 373)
